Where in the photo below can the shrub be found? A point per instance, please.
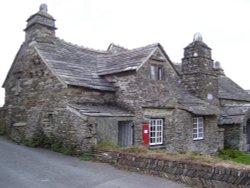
(37, 140)
(49, 142)
(87, 157)
(230, 154)
(2, 133)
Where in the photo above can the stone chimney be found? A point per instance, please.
(40, 26)
(199, 74)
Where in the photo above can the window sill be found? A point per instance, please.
(157, 147)
(199, 139)
(20, 124)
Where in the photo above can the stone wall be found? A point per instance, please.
(136, 89)
(182, 132)
(2, 120)
(74, 131)
(235, 134)
(198, 73)
(40, 103)
(189, 172)
(138, 93)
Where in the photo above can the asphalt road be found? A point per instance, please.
(23, 167)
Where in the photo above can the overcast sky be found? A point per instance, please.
(224, 25)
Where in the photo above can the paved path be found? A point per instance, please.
(23, 167)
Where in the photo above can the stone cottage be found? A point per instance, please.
(128, 97)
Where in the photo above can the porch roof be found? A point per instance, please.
(97, 110)
(233, 113)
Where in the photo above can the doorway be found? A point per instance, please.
(125, 133)
(248, 134)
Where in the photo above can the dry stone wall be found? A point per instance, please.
(189, 172)
(2, 120)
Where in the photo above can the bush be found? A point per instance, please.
(49, 142)
(2, 133)
(230, 154)
(87, 157)
(37, 140)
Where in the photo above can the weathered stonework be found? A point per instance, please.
(198, 72)
(2, 119)
(41, 103)
(200, 175)
(181, 130)
(85, 96)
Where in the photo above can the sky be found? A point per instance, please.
(223, 24)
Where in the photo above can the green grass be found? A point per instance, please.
(235, 156)
(87, 157)
(106, 145)
(244, 159)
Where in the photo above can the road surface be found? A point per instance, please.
(23, 167)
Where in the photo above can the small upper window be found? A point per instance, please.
(156, 72)
(198, 128)
(18, 86)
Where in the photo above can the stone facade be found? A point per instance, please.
(198, 72)
(2, 119)
(85, 96)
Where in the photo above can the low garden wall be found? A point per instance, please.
(2, 122)
(191, 173)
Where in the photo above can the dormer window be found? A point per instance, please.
(156, 72)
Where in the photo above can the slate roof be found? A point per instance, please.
(228, 89)
(193, 104)
(98, 110)
(114, 48)
(74, 65)
(233, 113)
(80, 66)
(125, 60)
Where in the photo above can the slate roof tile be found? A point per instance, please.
(125, 60)
(73, 64)
(98, 110)
(193, 104)
(233, 113)
(228, 89)
(84, 67)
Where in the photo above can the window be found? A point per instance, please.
(156, 72)
(198, 128)
(18, 86)
(51, 119)
(156, 132)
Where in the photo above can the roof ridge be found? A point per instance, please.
(117, 45)
(135, 49)
(147, 46)
(83, 47)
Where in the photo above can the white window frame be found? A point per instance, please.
(156, 132)
(198, 128)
